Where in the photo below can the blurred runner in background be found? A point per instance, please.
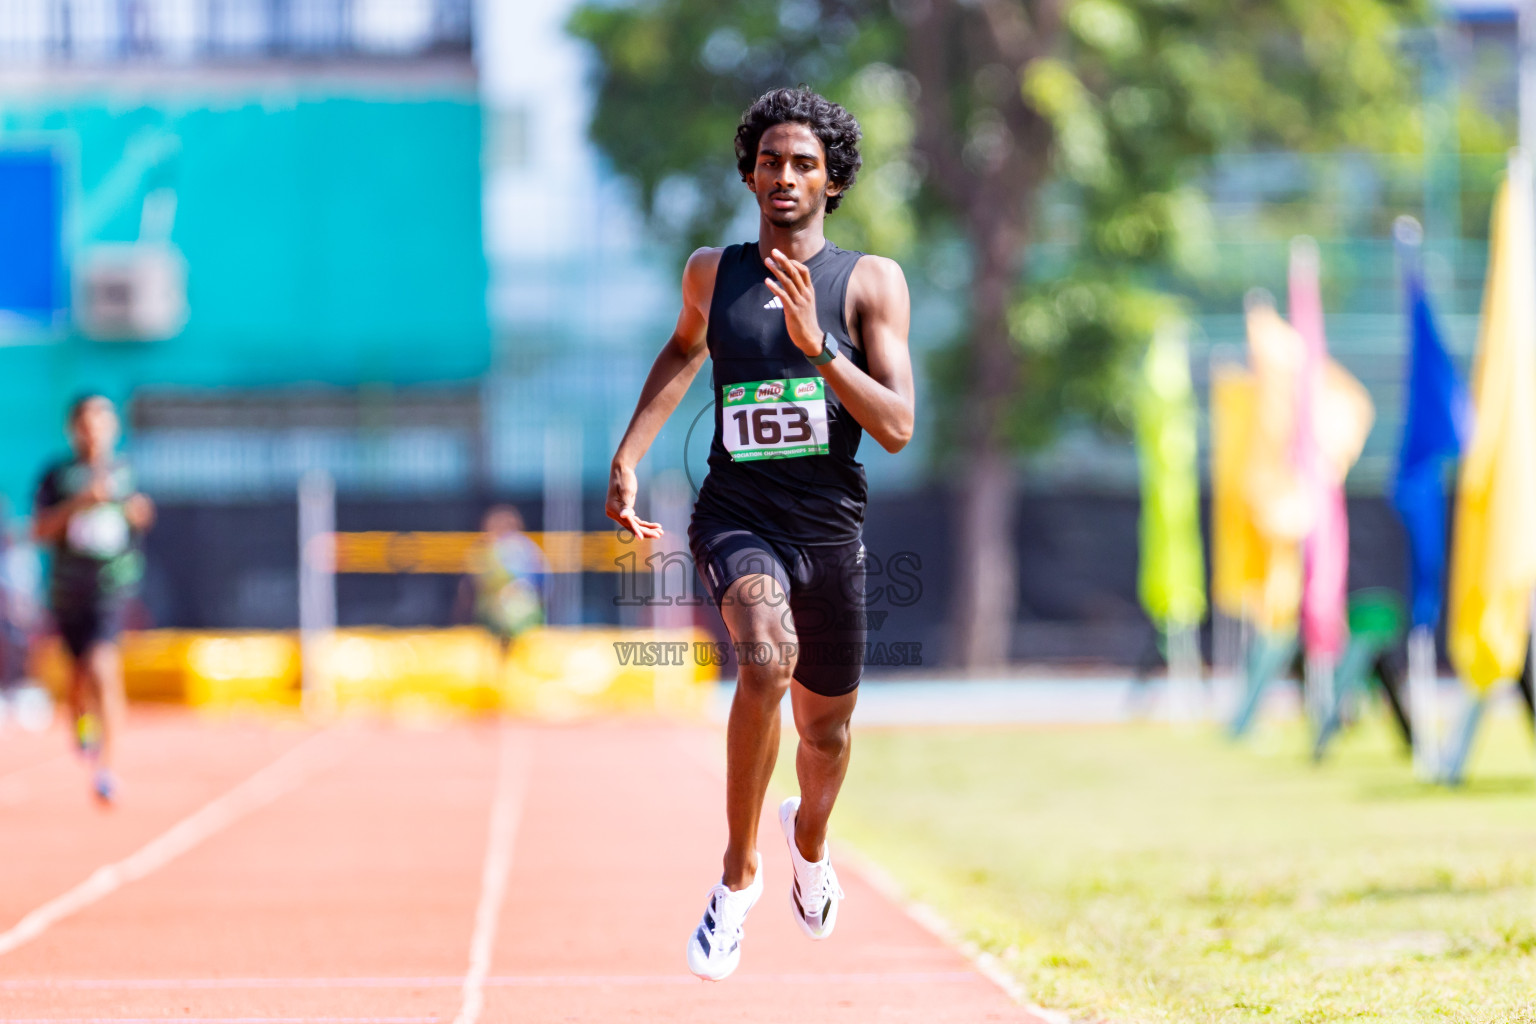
(508, 587)
(92, 518)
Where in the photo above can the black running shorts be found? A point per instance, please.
(89, 624)
(825, 584)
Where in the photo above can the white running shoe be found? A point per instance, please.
(714, 949)
(815, 894)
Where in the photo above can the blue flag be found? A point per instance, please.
(1437, 423)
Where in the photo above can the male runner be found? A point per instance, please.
(810, 349)
(90, 514)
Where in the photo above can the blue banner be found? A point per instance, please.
(1436, 424)
(33, 286)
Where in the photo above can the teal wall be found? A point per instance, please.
(328, 240)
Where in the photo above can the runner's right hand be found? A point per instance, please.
(621, 504)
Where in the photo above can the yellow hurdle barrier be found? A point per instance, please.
(193, 667)
(453, 553)
(549, 673)
(410, 672)
(564, 673)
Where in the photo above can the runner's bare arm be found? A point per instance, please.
(48, 524)
(882, 399)
(673, 371)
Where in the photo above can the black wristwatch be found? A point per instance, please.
(828, 350)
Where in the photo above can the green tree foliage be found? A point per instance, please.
(1063, 141)
(1138, 96)
(674, 77)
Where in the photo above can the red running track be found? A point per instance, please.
(478, 872)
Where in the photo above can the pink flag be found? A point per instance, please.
(1326, 550)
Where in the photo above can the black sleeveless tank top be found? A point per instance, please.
(809, 499)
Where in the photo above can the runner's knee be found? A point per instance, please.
(767, 680)
(829, 739)
(766, 654)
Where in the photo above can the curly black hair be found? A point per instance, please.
(837, 129)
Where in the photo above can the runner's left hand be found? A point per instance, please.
(791, 282)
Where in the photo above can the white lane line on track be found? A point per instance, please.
(492, 981)
(506, 810)
(271, 782)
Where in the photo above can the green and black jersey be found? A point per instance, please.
(98, 559)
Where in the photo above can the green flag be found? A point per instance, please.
(1172, 580)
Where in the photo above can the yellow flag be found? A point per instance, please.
(1493, 555)
(1234, 541)
(1280, 504)
(1262, 507)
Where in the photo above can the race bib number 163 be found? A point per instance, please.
(774, 419)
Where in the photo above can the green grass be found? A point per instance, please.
(1141, 873)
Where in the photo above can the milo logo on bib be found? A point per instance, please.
(774, 419)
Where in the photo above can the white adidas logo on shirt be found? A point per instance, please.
(774, 303)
